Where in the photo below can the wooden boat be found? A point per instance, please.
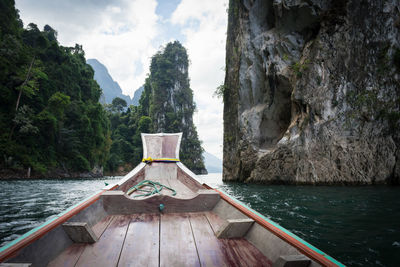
(196, 226)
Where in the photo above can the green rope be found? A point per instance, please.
(156, 188)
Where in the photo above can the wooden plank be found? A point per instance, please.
(215, 221)
(209, 248)
(80, 232)
(160, 172)
(132, 181)
(235, 228)
(141, 246)
(116, 202)
(15, 264)
(188, 181)
(165, 174)
(166, 182)
(280, 232)
(106, 251)
(40, 233)
(182, 191)
(177, 247)
(154, 146)
(68, 257)
(99, 227)
(169, 146)
(243, 253)
(292, 260)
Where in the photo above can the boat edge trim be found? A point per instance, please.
(29, 237)
(300, 244)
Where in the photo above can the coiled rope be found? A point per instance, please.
(155, 188)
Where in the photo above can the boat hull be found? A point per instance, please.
(195, 226)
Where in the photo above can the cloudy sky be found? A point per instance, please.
(124, 34)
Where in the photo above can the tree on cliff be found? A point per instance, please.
(166, 105)
(168, 100)
(49, 109)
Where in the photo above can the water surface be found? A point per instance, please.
(25, 204)
(357, 225)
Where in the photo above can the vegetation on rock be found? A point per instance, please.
(49, 111)
(166, 105)
(311, 92)
(51, 119)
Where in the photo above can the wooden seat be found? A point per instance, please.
(292, 261)
(234, 228)
(80, 232)
(117, 202)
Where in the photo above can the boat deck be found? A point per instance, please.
(174, 239)
(182, 191)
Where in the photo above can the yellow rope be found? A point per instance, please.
(149, 160)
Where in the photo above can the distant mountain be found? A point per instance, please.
(137, 95)
(111, 88)
(213, 164)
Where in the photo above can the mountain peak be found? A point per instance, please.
(110, 88)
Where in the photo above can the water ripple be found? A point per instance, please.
(358, 225)
(39, 200)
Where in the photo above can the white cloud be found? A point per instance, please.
(204, 26)
(118, 33)
(125, 34)
(123, 42)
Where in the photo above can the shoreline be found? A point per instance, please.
(8, 174)
(322, 183)
(19, 175)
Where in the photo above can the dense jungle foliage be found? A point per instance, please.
(51, 120)
(50, 117)
(166, 105)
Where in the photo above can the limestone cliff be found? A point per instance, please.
(168, 99)
(311, 91)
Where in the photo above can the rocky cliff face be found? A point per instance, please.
(312, 91)
(168, 99)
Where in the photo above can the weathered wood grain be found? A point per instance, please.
(154, 146)
(141, 246)
(16, 264)
(132, 181)
(116, 202)
(182, 191)
(99, 227)
(106, 251)
(235, 228)
(188, 181)
(243, 253)
(159, 171)
(208, 246)
(177, 247)
(80, 232)
(69, 256)
(216, 222)
(292, 260)
(169, 146)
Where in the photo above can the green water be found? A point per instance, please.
(358, 225)
(25, 204)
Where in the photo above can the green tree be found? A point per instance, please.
(57, 104)
(118, 104)
(145, 124)
(49, 101)
(168, 101)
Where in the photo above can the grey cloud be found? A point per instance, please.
(70, 18)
